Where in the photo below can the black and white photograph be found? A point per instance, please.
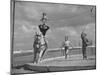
(52, 37)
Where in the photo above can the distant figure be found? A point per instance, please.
(84, 44)
(66, 45)
(43, 27)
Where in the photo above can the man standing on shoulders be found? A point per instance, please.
(43, 27)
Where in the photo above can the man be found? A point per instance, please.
(84, 44)
(66, 45)
(43, 27)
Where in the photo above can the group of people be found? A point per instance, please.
(66, 44)
(40, 42)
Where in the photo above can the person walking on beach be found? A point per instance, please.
(66, 44)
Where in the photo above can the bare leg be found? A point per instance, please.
(37, 57)
(65, 53)
(44, 49)
(34, 59)
(40, 55)
(84, 53)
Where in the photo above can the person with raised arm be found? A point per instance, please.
(43, 27)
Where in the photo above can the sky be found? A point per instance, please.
(63, 19)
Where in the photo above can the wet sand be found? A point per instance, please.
(55, 61)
